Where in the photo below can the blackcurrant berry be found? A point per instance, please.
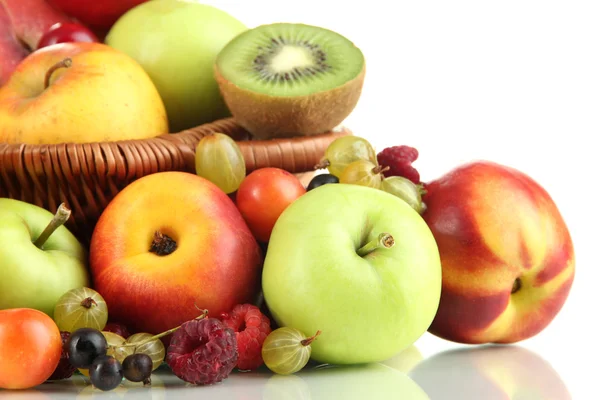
(84, 346)
(320, 180)
(137, 367)
(106, 373)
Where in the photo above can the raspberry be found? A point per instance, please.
(251, 329)
(399, 159)
(202, 352)
(64, 369)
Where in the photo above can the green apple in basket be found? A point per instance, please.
(40, 259)
(177, 43)
(358, 264)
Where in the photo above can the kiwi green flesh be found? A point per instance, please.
(289, 60)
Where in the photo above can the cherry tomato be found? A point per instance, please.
(30, 348)
(263, 195)
(67, 32)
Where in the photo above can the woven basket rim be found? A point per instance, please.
(87, 176)
(176, 136)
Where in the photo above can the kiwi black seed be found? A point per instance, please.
(283, 80)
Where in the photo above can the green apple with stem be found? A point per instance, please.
(40, 259)
(177, 42)
(358, 264)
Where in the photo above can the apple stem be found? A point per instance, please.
(160, 335)
(309, 340)
(384, 240)
(66, 63)
(162, 244)
(62, 215)
(516, 286)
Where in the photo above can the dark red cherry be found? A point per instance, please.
(67, 32)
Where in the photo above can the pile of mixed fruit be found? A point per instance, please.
(228, 269)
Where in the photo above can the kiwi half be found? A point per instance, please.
(284, 80)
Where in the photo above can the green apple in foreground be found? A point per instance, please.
(40, 259)
(177, 43)
(359, 265)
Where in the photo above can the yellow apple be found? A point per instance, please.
(79, 93)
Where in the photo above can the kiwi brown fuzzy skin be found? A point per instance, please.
(270, 117)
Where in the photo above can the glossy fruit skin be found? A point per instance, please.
(80, 308)
(100, 81)
(494, 225)
(30, 348)
(118, 329)
(154, 349)
(177, 43)
(314, 279)
(114, 342)
(363, 173)
(106, 373)
(215, 266)
(220, 160)
(345, 150)
(85, 345)
(137, 367)
(264, 195)
(283, 351)
(320, 180)
(405, 189)
(13, 50)
(65, 33)
(97, 14)
(22, 24)
(32, 278)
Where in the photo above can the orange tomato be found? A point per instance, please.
(30, 348)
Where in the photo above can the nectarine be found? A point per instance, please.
(168, 245)
(507, 256)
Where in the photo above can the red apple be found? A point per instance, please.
(11, 49)
(97, 14)
(22, 25)
(507, 257)
(168, 245)
(31, 19)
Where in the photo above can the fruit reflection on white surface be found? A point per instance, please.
(372, 381)
(406, 360)
(490, 373)
(482, 373)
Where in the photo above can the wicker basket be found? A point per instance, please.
(88, 176)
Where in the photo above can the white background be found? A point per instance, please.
(516, 82)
